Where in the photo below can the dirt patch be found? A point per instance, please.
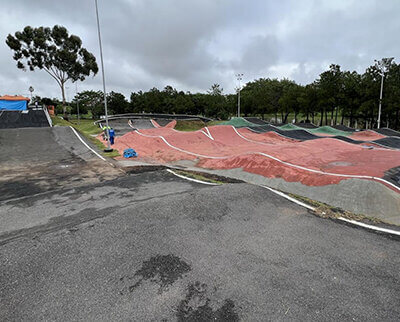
(329, 212)
(210, 176)
(143, 168)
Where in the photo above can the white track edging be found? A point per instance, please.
(46, 112)
(209, 133)
(191, 179)
(85, 144)
(156, 125)
(353, 222)
(383, 230)
(289, 198)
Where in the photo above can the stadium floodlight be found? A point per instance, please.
(108, 149)
(31, 90)
(383, 67)
(239, 77)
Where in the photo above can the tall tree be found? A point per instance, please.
(392, 94)
(351, 95)
(117, 103)
(331, 84)
(55, 51)
(91, 101)
(215, 90)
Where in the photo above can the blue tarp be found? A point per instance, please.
(130, 153)
(13, 105)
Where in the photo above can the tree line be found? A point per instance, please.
(336, 97)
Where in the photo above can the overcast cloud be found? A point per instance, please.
(191, 44)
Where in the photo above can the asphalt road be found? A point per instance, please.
(35, 160)
(153, 247)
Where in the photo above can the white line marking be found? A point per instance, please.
(200, 131)
(278, 160)
(384, 230)
(84, 143)
(209, 133)
(244, 138)
(290, 198)
(194, 180)
(354, 222)
(156, 125)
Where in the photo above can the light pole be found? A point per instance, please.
(239, 77)
(383, 66)
(31, 90)
(108, 149)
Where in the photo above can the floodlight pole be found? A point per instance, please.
(383, 66)
(380, 103)
(239, 78)
(31, 90)
(108, 149)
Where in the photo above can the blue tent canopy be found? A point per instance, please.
(13, 105)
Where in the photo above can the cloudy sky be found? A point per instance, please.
(191, 44)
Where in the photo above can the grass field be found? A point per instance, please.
(182, 125)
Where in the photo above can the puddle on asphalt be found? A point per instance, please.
(340, 164)
(196, 307)
(161, 269)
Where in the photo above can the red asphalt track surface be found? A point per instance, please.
(314, 162)
(366, 136)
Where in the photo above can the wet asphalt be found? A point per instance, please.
(154, 247)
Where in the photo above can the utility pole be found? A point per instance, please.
(108, 149)
(239, 77)
(383, 66)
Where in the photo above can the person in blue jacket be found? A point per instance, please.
(111, 132)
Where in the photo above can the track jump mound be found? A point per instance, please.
(390, 142)
(141, 124)
(306, 125)
(120, 126)
(238, 122)
(289, 126)
(366, 135)
(262, 128)
(345, 128)
(301, 135)
(270, 137)
(256, 120)
(388, 132)
(20, 119)
(327, 130)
